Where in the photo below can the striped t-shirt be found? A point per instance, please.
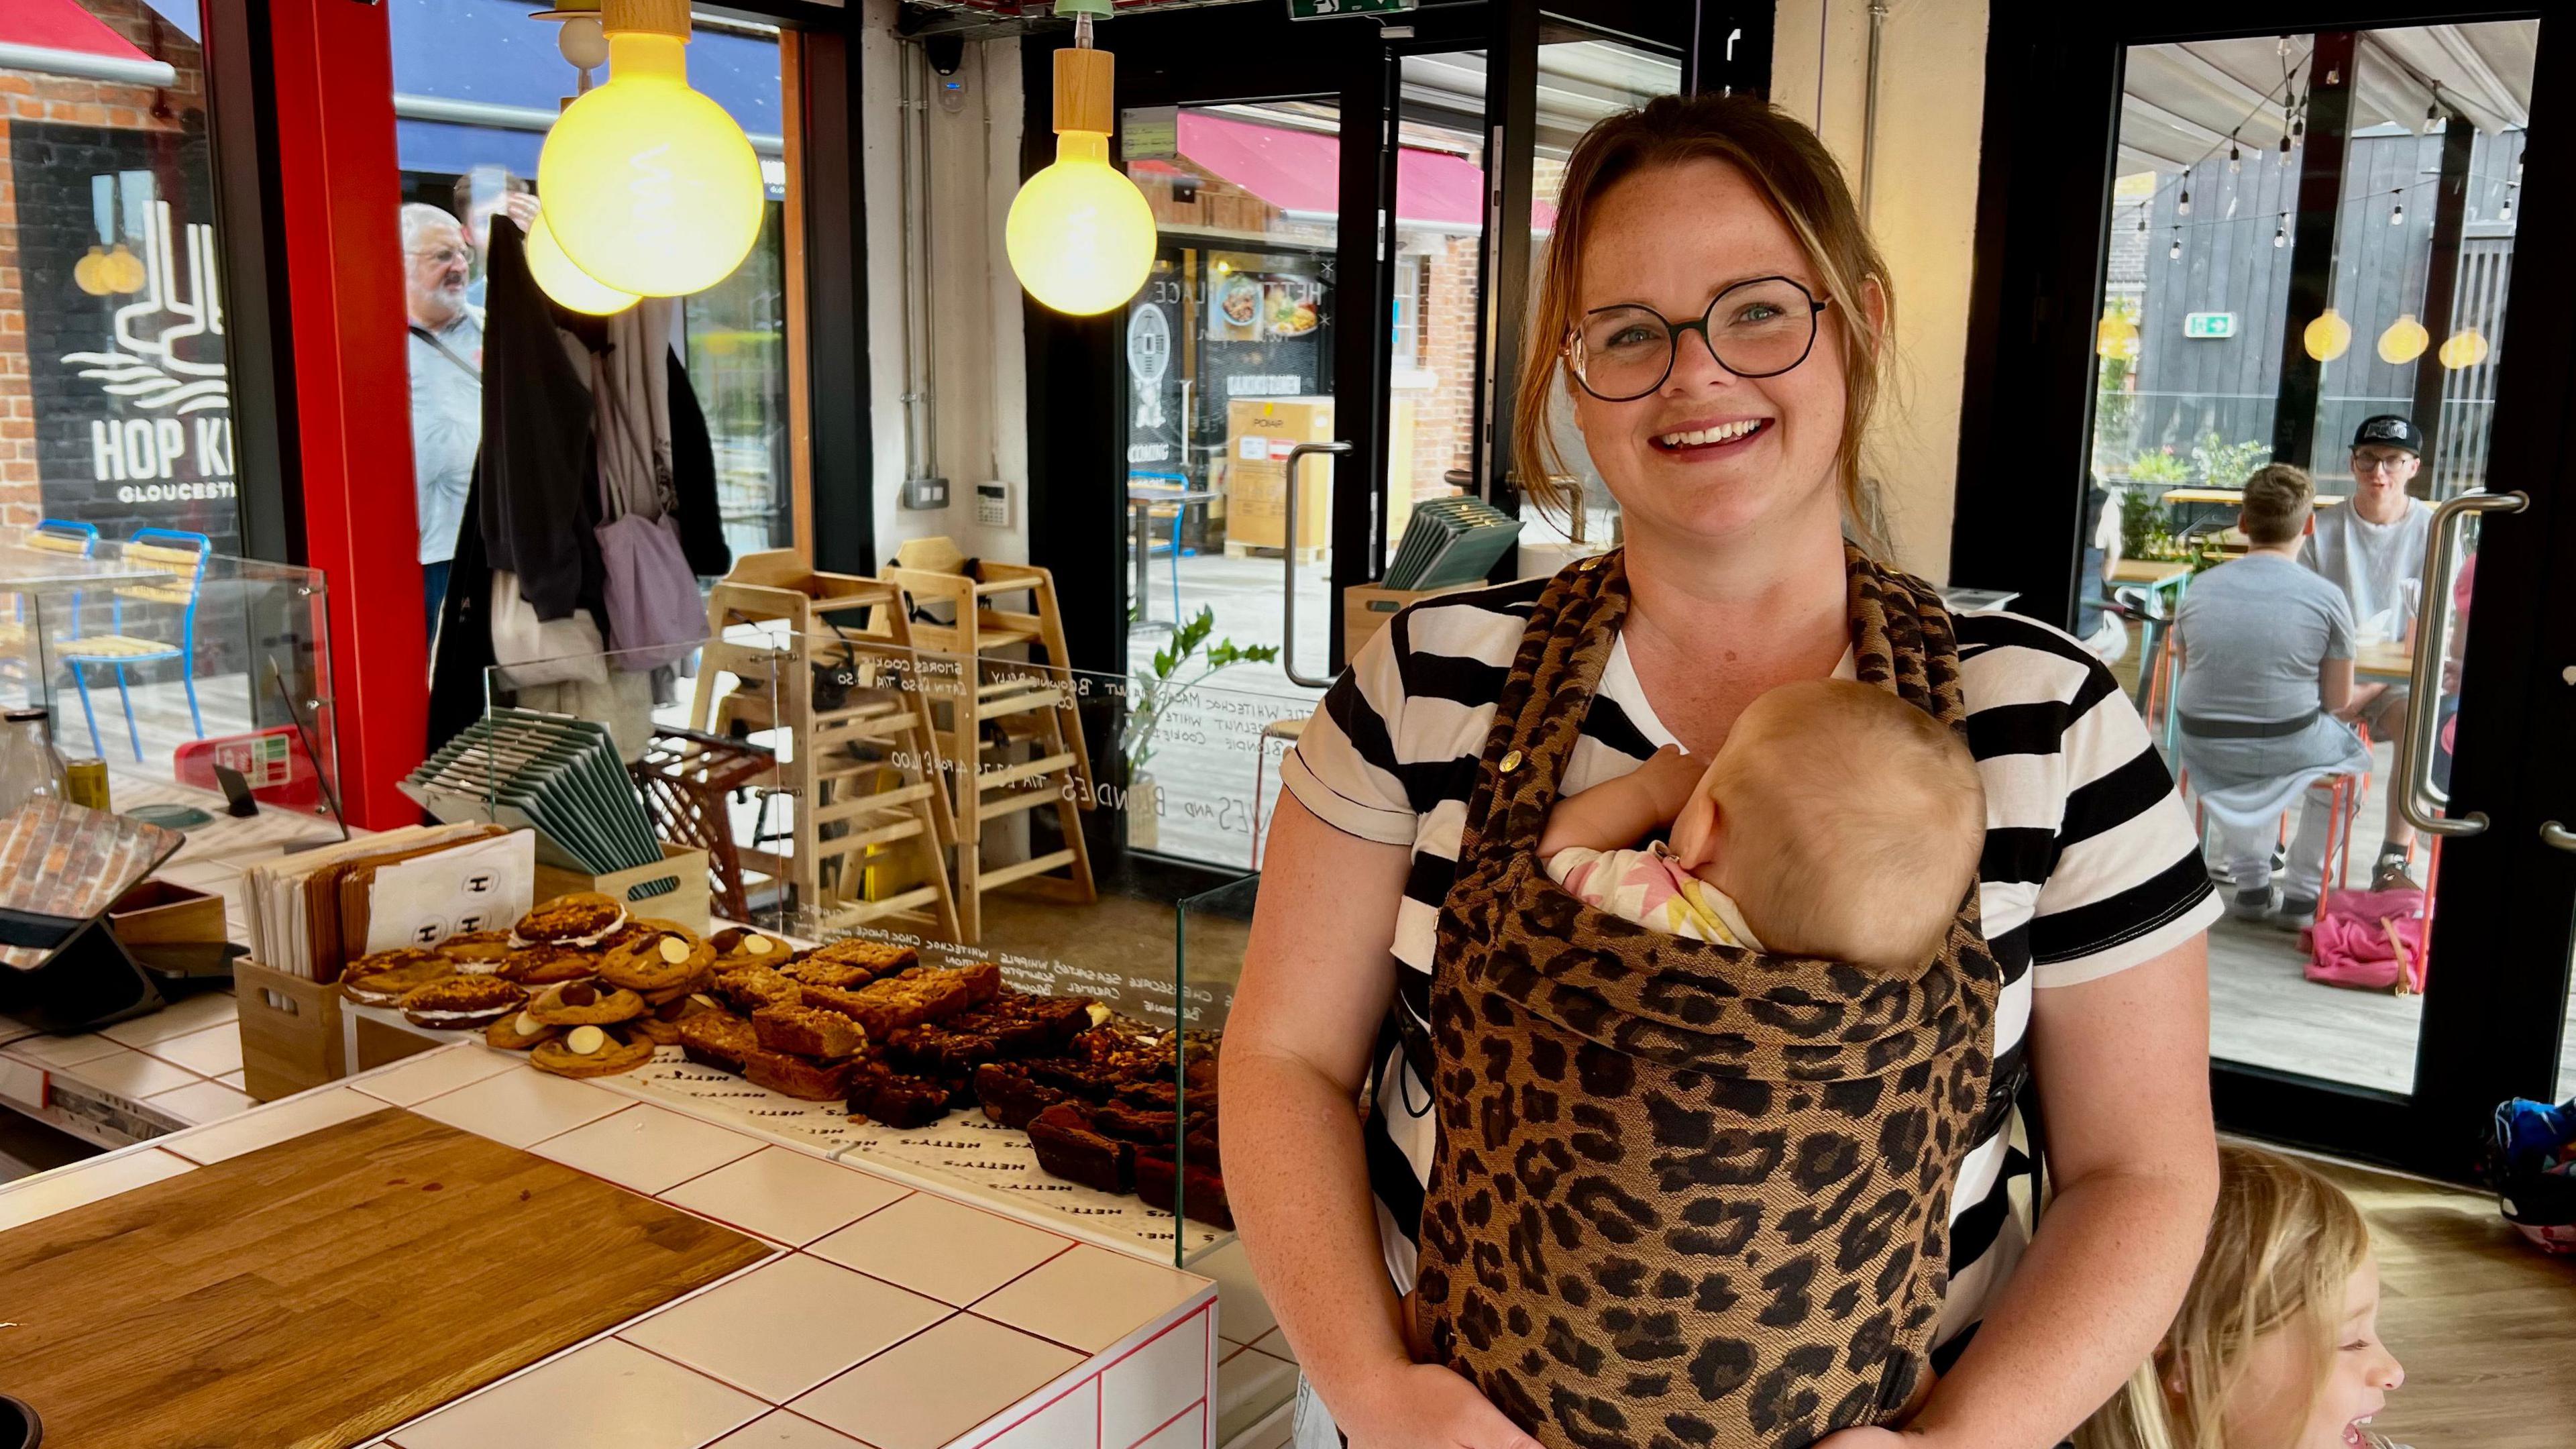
(2091, 863)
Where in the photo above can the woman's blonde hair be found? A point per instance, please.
(2281, 1246)
(1804, 185)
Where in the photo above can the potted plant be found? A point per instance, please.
(1152, 695)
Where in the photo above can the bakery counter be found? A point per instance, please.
(490, 1254)
(132, 1081)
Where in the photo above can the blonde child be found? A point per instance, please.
(2277, 1345)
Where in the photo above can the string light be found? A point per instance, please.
(2174, 252)
(2433, 115)
(2281, 233)
(2235, 158)
(2397, 213)
(2183, 206)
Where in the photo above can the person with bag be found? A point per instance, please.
(446, 363)
(1718, 319)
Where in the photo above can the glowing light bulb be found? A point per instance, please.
(1080, 235)
(649, 186)
(568, 284)
(2404, 341)
(2464, 348)
(90, 272)
(2328, 337)
(123, 270)
(2116, 336)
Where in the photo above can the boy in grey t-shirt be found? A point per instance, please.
(2266, 683)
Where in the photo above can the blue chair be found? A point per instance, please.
(52, 535)
(182, 555)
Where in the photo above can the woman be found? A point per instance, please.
(1737, 489)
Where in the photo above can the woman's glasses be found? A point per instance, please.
(1760, 328)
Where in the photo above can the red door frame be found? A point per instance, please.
(338, 200)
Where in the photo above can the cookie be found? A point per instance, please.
(534, 966)
(591, 1051)
(699, 985)
(384, 978)
(477, 953)
(460, 1003)
(661, 960)
(583, 918)
(743, 946)
(582, 1003)
(519, 1032)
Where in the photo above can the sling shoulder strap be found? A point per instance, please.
(469, 369)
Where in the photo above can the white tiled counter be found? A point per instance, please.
(887, 1316)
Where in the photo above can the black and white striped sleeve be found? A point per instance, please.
(1344, 767)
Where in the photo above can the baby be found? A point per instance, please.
(1837, 821)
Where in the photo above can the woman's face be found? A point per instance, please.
(1671, 239)
(2270, 1406)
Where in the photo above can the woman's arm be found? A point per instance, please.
(1316, 983)
(2122, 1064)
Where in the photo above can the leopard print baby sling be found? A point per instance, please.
(1686, 1196)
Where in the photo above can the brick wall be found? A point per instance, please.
(1444, 417)
(56, 134)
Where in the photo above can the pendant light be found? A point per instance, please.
(569, 286)
(2404, 341)
(90, 273)
(2464, 348)
(2116, 336)
(2328, 337)
(1080, 235)
(649, 186)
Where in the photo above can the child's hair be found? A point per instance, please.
(2278, 500)
(2281, 1246)
(1856, 821)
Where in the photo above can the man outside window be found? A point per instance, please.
(446, 360)
(2264, 700)
(2373, 550)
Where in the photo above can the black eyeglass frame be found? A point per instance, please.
(1673, 333)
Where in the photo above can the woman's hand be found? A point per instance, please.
(1426, 1406)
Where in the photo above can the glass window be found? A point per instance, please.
(2227, 335)
(115, 404)
(477, 84)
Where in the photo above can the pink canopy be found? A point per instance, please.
(1299, 171)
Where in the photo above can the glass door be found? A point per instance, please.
(2308, 261)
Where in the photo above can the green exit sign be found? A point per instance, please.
(1312, 9)
(2208, 324)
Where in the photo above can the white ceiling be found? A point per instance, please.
(2182, 101)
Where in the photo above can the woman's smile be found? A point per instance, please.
(1700, 438)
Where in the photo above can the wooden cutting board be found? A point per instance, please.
(313, 1294)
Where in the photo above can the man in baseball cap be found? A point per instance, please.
(2373, 549)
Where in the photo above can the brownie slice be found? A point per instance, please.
(1159, 1095)
(896, 1099)
(1010, 1096)
(749, 988)
(872, 958)
(806, 1032)
(718, 1039)
(922, 994)
(942, 1049)
(1072, 1148)
(1160, 1182)
(800, 1077)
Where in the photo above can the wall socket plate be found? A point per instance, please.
(925, 493)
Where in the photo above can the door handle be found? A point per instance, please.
(2416, 797)
(2553, 833)
(1288, 631)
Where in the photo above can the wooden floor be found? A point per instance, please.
(2484, 1323)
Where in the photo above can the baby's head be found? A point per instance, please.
(1845, 823)
(2277, 1345)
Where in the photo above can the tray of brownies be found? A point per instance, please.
(855, 1047)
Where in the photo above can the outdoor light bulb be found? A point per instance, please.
(1080, 234)
(2397, 214)
(2432, 118)
(2281, 235)
(2175, 251)
(2328, 337)
(2464, 348)
(2117, 336)
(2235, 158)
(2506, 214)
(90, 272)
(2183, 206)
(124, 271)
(567, 284)
(650, 187)
(2404, 341)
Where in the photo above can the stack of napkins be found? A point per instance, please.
(1451, 541)
(312, 913)
(554, 774)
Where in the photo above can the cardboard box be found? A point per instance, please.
(1367, 610)
(688, 903)
(290, 1031)
(1259, 433)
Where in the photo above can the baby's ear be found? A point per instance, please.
(1695, 831)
